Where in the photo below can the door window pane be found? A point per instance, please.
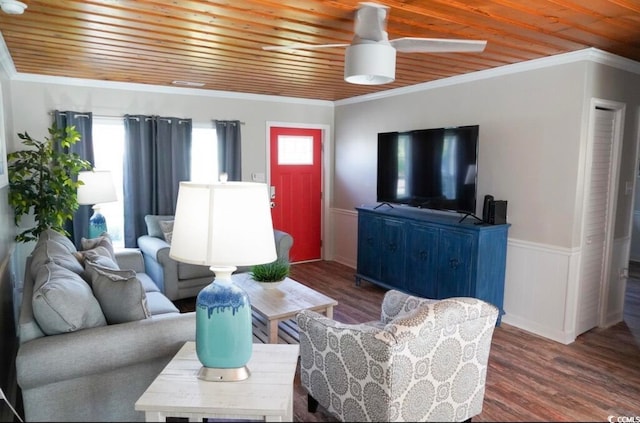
(293, 150)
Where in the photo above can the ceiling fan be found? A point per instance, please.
(370, 59)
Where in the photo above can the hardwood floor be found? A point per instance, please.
(529, 378)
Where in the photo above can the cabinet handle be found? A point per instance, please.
(422, 255)
(393, 246)
(370, 240)
(453, 263)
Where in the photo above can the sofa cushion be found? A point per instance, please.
(147, 283)
(102, 241)
(153, 224)
(167, 229)
(49, 250)
(52, 235)
(159, 304)
(119, 293)
(63, 302)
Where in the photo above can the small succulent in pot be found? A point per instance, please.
(275, 271)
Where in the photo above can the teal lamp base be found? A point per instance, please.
(224, 336)
(97, 223)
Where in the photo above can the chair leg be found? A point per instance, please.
(312, 404)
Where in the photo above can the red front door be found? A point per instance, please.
(296, 188)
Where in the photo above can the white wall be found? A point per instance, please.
(531, 153)
(34, 97)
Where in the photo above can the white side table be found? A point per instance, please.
(267, 394)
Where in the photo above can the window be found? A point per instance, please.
(204, 155)
(108, 147)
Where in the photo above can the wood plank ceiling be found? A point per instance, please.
(219, 43)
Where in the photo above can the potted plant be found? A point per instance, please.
(270, 275)
(43, 181)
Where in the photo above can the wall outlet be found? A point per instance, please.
(257, 177)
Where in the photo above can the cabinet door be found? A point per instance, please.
(455, 264)
(369, 242)
(422, 256)
(394, 238)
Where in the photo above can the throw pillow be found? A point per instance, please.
(167, 229)
(51, 251)
(119, 293)
(98, 255)
(63, 302)
(102, 241)
(153, 225)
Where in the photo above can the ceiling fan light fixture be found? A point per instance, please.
(370, 64)
(12, 7)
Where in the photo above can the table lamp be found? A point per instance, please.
(223, 225)
(97, 188)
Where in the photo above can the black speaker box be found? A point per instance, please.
(488, 199)
(497, 212)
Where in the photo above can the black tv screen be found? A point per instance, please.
(429, 168)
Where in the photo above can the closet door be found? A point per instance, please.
(593, 274)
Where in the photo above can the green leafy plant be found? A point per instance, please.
(43, 181)
(271, 272)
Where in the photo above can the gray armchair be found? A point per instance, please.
(425, 360)
(179, 280)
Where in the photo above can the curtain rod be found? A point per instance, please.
(228, 120)
(121, 117)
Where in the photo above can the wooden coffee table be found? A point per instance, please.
(284, 302)
(266, 395)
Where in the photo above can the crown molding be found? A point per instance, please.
(588, 54)
(7, 64)
(161, 89)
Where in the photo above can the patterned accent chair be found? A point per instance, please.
(425, 360)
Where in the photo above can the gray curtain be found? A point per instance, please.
(229, 156)
(83, 121)
(157, 157)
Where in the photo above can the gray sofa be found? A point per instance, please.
(92, 337)
(179, 280)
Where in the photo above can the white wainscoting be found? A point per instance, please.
(541, 281)
(345, 236)
(540, 289)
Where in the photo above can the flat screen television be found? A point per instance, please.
(429, 168)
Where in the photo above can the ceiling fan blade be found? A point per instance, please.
(371, 22)
(302, 47)
(437, 45)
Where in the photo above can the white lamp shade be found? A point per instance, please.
(370, 64)
(223, 224)
(98, 187)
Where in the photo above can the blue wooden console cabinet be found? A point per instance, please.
(431, 255)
